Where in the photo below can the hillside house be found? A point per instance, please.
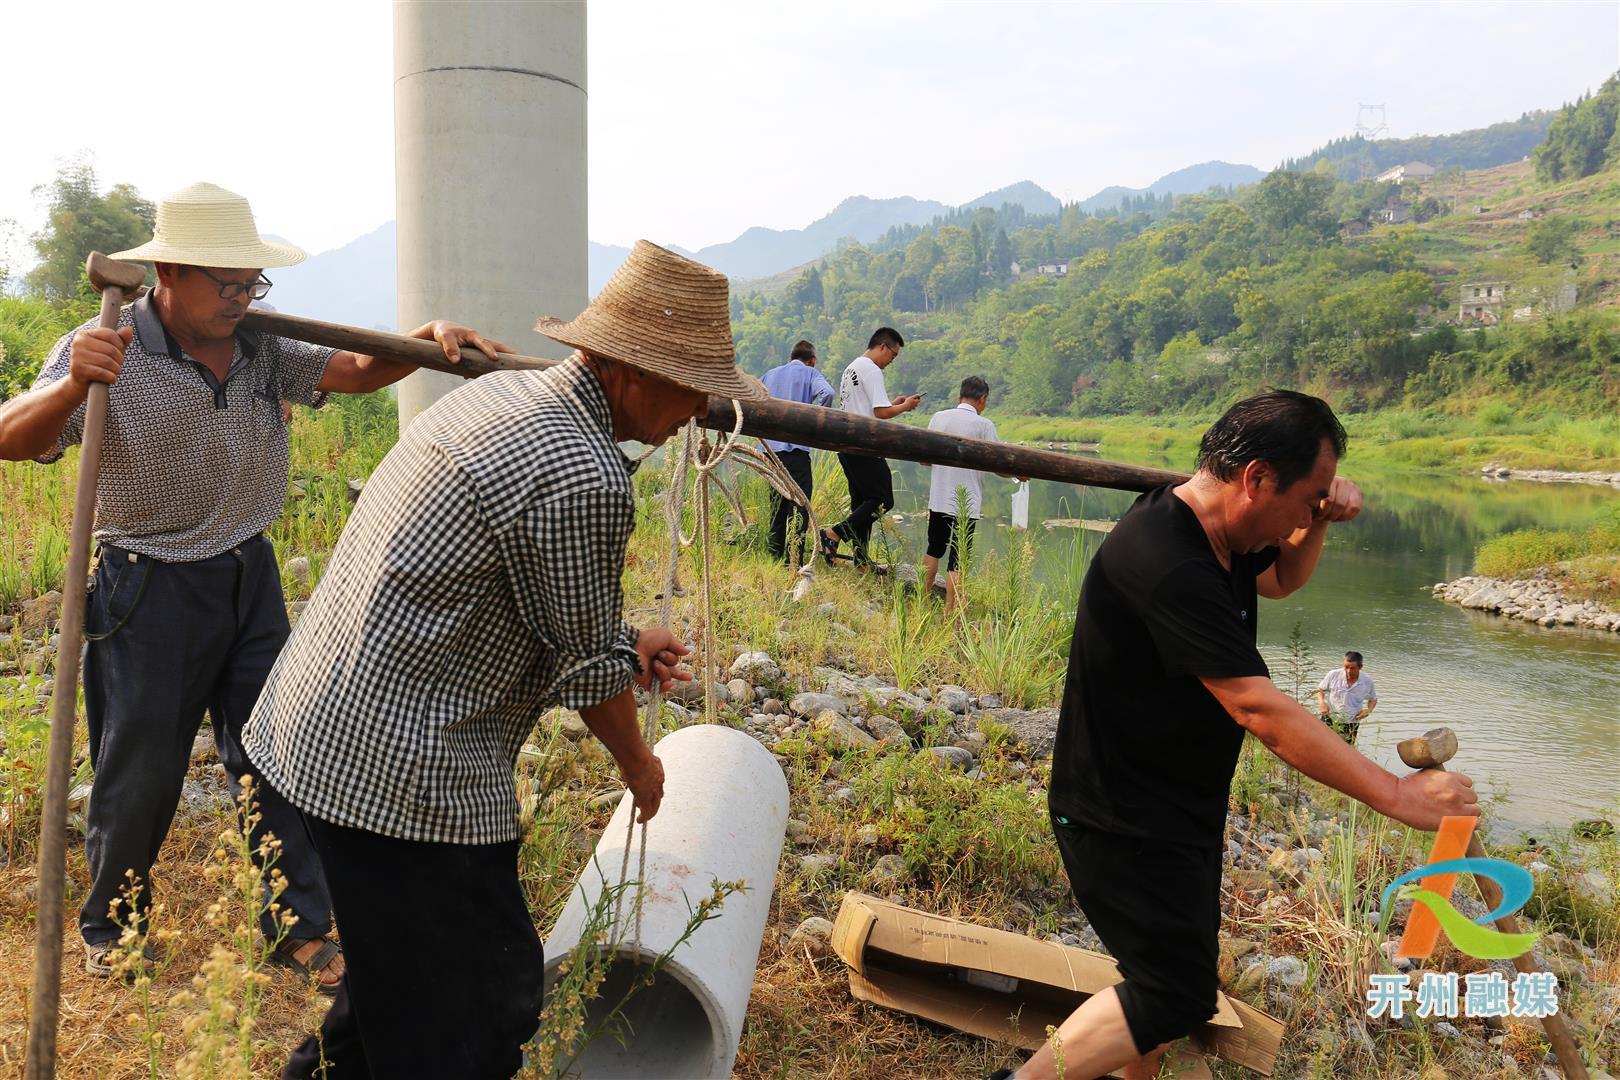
(1412, 170)
(1482, 302)
(1351, 229)
(1395, 211)
(1053, 267)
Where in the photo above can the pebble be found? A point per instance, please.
(811, 703)
(738, 690)
(815, 865)
(297, 569)
(1286, 970)
(756, 667)
(954, 698)
(773, 706)
(813, 935)
(797, 829)
(889, 870)
(867, 836)
(951, 756)
(838, 731)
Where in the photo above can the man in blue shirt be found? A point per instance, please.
(797, 380)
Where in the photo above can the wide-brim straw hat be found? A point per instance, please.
(205, 225)
(666, 315)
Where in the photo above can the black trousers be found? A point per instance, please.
(797, 463)
(444, 965)
(1157, 907)
(167, 642)
(871, 494)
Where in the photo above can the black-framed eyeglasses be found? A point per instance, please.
(257, 289)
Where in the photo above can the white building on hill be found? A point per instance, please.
(1412, 170)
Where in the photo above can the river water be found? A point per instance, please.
(1536, 711)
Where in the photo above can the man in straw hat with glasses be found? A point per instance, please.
(186, 611)
(476, 585)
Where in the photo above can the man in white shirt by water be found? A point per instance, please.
(871, 487)
(953, 491)
(1348, 693)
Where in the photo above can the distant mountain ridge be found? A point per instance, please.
(1193, 180)
(1356, 158)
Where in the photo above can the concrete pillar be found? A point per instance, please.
(489, 157)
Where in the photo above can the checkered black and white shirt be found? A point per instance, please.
(191, 466)
(477, 583)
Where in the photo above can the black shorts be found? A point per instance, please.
(1157, 908)
(942, 535)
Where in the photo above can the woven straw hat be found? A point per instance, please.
(666, 315)
(205, 225)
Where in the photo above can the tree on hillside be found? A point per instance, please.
(1552, 240)
(1583, 139)
(1288, 200)
(82, 220)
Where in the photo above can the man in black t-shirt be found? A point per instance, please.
(1164, 678)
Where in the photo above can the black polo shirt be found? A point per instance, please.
(1143, 749)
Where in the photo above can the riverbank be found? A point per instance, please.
(1541, 599)
(1495, 470)
(1385, 439)
(918, 773)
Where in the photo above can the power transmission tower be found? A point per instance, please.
(1370, 121)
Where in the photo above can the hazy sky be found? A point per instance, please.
(707, 117)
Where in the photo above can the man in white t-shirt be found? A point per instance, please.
(871, 487)
(1348, 694)
(955, 495)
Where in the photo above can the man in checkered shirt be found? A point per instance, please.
(185, 612)
(477, 584)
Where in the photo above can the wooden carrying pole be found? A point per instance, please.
(115, 280)
(825, 429)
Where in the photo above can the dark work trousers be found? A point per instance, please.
(871, 494)
(175, 640)
(1156, 905)
(797, 463)
(444, 965)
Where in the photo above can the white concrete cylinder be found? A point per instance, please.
(490, 181)
(724, 817)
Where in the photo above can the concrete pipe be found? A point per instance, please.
(723, 818)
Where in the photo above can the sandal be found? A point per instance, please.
(104, 959)
(315, 966)
(829, 547)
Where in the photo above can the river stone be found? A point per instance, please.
(814, 936)
(1035, 728)
(571, 724)
(891, 699)
(888, 870)
(867, 836)
(887, 729)
(838, 731)
(42, 612)
(954, 698)
(812, 704)
(202, 748)
(814, 865)
(756, 667)
(1286, 970)
(297, 569)
(772, 707)
(950, 756)
(738, 690)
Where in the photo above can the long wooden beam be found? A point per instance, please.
(825, 429)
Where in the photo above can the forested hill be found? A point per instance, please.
(1361, 291)
(1356, 158)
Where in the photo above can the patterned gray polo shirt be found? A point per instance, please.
(476, 583)
(191, 466)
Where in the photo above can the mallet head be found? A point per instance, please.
(105, 273)
(1428, 750)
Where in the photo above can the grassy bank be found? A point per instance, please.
(969, 844)
(1387, 439)
(1585, 561)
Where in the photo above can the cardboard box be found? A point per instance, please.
(1006, 986)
